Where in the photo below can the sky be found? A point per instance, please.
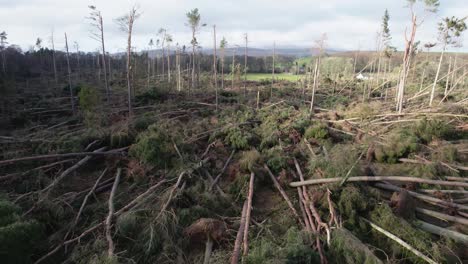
(349, 24)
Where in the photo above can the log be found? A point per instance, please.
(110, 242)
(423, 197)
(379, 178)
(442, 216)
(443, 232)
(12, 175)
(443, 191)
(240, 234)
(283, 193)
(247, 215)
(305, 198)
(66, 155)
(401, 242)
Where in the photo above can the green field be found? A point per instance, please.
(267, 76)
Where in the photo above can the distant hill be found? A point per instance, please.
(258, 52)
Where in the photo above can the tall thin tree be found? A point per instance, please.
(430, 6)
(215, 70)
(194, 22)
(126, 23)
(97, 23)
(69, 75)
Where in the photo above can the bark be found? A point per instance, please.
(66, 155)
(459, 237)
(436, 78)
(106, 83)
(245, 65)
(426, 198)
(222, 170)
(208, 249)
(68, 171)
(378, 178)
(240, 233)
(247, 215)
(110, 242)
(446, 217)
(69, 75)
(406, 64)
(215, 67)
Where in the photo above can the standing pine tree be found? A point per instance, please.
(194, 22)
(449, 30)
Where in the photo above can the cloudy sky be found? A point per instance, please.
(349, 24)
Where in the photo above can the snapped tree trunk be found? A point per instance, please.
(69, 75)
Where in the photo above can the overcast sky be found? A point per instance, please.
(349, 24)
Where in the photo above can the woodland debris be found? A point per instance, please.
(66, 155)
(283, 193)
(423, 197)
(215, 181)
(378, 178)
(401, 242)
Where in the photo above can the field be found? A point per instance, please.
(278, 76)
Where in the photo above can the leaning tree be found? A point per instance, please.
(431, 7)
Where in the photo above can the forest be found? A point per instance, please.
(234, 154)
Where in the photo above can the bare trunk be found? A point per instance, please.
(129, 51)
(406, 64)
(448, 77)
(245, 66)
(437, 76)
(215, 71)
(247, 215)
(69, 75)
(106, 83)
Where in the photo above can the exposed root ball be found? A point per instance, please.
(403, 204)
(199, 230)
